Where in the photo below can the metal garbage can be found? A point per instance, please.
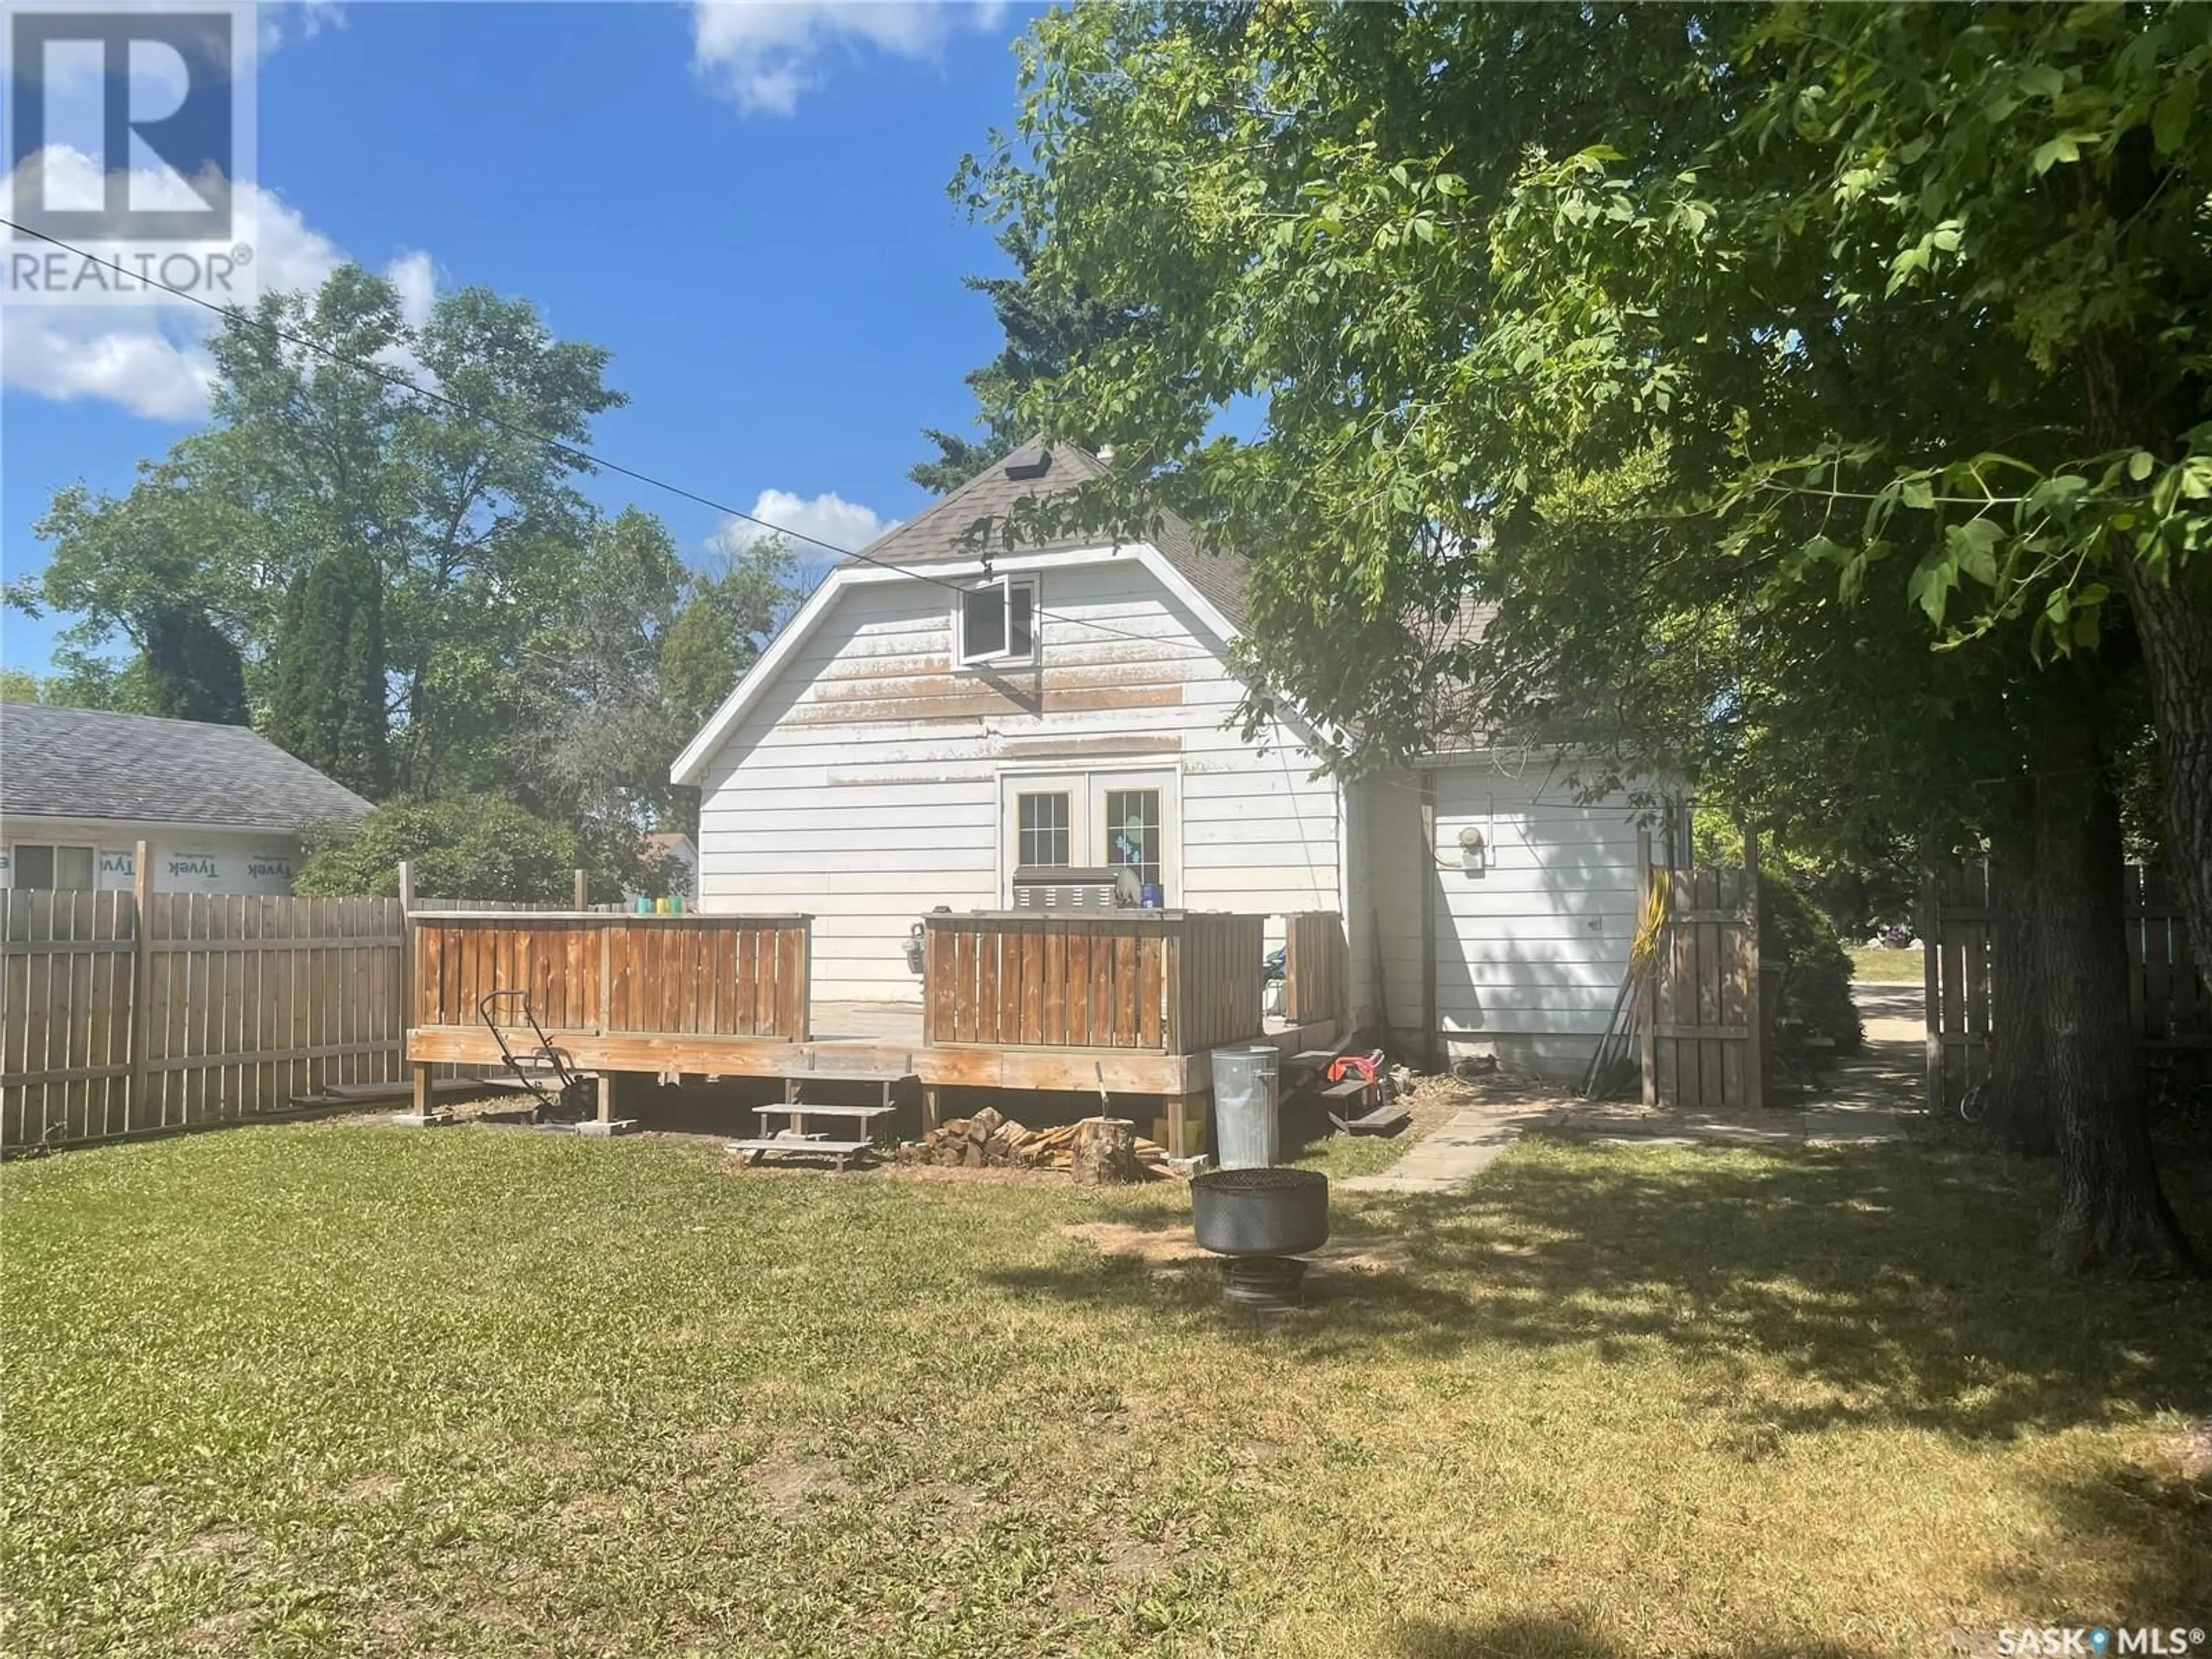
(1244, 1105)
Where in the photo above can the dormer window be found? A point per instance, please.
(994, 626)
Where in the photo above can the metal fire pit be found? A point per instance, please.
(1262, 1220)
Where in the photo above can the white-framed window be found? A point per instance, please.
(45, 868)
(1122, 817)
(995, 625)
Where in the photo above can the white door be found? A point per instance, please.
(1085, 819)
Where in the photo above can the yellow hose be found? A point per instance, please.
(1645, 947)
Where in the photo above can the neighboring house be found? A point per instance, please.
(221, 807)
(679, 859)
(909, 740)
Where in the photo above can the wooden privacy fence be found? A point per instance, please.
(1167, 982)
(2167, 1000)
(1706, 1046)
(609, 973)
(1316, 968)
(127, 1013)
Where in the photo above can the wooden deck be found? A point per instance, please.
(1126, 1003)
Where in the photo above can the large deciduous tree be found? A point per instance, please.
(339, 424)
(1737, 356)
(470, 514)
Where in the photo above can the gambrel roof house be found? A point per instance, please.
(222, 806)
(929, 723)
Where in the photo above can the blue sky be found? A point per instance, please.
(746, 204)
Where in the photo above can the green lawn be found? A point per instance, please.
(1875, 961)
(319, 1389)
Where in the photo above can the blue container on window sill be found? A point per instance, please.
(1149, 897)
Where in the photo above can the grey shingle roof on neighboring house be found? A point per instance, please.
(85, 763)
(942, 532)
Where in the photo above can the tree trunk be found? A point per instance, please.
(2111, 1211)
(2173, 620)
(2017, 1113)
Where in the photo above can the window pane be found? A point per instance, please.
(34, 866)
(982, 623)
(1021, 622)
(73, 868)
(1040, 828)
(1132, 830)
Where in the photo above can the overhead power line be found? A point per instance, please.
(574, 453)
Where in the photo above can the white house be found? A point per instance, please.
(221, 807)
(927, 724)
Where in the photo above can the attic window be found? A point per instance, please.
(995, 625)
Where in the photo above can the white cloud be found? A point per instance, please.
(301, 21)
(763, 54)
(831, 517)
(152, 359)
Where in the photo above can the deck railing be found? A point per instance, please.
(1162, 981)
(616, 972)
(1316, 968)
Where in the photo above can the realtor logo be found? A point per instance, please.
(129, 128)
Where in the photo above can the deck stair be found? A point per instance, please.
(1355, 1106)
(796, 1140)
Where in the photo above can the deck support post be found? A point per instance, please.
(1178, 1107)
(607, 1124)
(425, 1114)
(931, 1108)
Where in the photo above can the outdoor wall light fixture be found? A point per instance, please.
(1473, 852)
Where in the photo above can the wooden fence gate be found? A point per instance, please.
(2167, 1000)
(1704, 1047)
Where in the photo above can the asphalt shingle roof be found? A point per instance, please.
(86, 763)
(942, 533)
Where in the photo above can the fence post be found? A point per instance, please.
(583, 889)
(1431, 1047)
(1647, 995)
(1754, 1055)
(1931, 988)
(406, 957)
(142, 980)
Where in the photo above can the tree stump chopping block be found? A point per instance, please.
(1105, 1153)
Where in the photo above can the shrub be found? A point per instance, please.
(463, 846)
(1818, 994)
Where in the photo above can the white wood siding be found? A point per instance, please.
(862, 786)
(1529, 955)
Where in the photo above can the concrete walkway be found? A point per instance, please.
(1857, 1103)
(1446, 1159)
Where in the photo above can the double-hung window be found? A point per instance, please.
(995, 625)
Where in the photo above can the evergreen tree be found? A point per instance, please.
(327, 704)
(1044, 328)
(192, 669)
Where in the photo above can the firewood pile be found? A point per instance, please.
(1106, 1147)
